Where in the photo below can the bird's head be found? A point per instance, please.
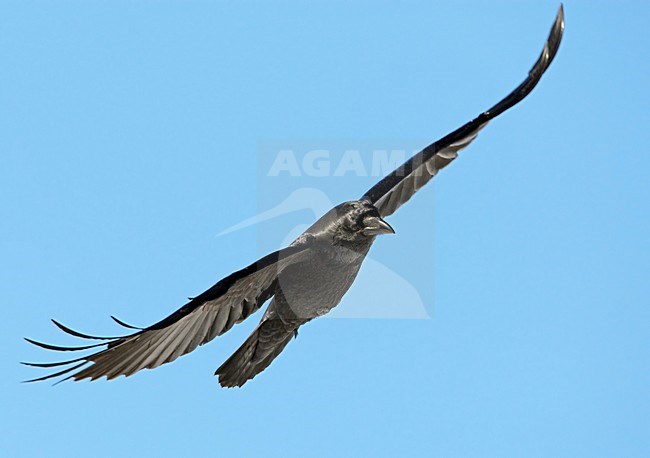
(351, 223)
(359, 220)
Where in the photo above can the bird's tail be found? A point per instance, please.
(260, 349)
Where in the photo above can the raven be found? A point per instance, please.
(304, 280)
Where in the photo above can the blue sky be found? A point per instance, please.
(132, 133)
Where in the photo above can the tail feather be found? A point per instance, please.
(260, 349)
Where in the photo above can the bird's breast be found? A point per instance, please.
(314, 287)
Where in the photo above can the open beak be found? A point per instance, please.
(374, 225)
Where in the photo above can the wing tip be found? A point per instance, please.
(81, 335)
(557, 31)
(125, 325)
(57, 374)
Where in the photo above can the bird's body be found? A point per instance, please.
(304, 291)
(315, 286)
(303, 281)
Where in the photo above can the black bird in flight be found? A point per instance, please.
(304, 280)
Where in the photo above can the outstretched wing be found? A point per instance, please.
(206, 316)
(398, 187)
